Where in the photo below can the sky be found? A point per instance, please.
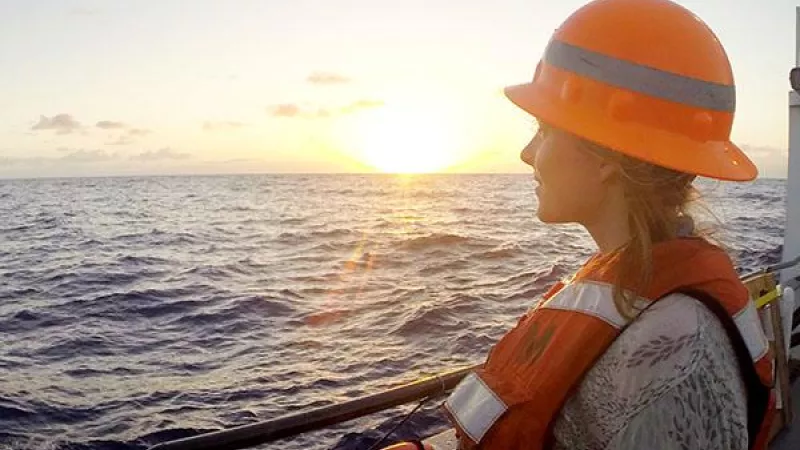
(100, 88)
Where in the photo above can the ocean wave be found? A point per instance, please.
(761, 196)
(203, 318)
(90, 372)
(429, 320)
(544, 276)
(15, 414)
(215, 272)
(137, 260)
(434, 240)
(340, 191)
(89, 243)
(80, 281)
(26, 315)
(47, 222)
(463, 210)
(158, 237)
(443, 267)
(293, 221)
(16, 293)
(69, 347)
(18, 228)
(276, 305)
(141, 235)
(149, 303)
(526, 294)
(294, 237)
(237, 208)
(473, 345)
(27, 320)
(751, 262)
(11, 411)
(504, 251)
(137, 297)
(319, 252)
(325, 318)
(233, 313)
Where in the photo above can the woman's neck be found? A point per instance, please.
(609, 226)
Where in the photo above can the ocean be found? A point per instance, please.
(139, 310)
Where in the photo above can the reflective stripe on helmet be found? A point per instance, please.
(749, 326)
(475, 407)
(642, 79)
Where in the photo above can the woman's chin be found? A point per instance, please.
(546, 216)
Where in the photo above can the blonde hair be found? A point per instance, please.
(658, 201)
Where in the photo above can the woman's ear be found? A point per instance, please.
(607, 170)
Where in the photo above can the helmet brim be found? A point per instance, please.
(721, 160)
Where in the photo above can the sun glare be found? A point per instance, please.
(397, 139)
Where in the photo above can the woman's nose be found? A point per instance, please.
(528, 154)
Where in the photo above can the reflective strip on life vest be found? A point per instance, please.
(642, 79)
(592, 298)
(474, 406)
(749, 325)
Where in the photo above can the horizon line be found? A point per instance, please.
(224, 174)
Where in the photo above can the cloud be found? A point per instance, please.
(89, 162)
(87, 156)
(62, 123)
(110, 125)
(327, 78)
(362, 104)
(222, 126)
(28, 161)
(121, 140)
(161, 154)
(8, 161)
(129, 137)
(138, 132)
(294, 110)
(66, 124)
(236, 161)
(71, 157)
(285, 110)
(320, 113)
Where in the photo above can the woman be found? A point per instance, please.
(653, 343)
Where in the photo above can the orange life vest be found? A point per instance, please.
(512, 401)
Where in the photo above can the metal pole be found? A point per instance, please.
(797, 36)
(294, 424)
(791, 238)
(791, 247)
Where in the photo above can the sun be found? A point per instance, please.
(409, 139)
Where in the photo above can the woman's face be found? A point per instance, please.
(571, 179)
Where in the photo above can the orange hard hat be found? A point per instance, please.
(646, 78)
